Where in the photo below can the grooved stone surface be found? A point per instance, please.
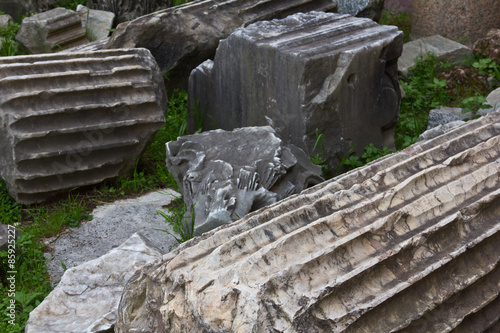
(306, 74)
(75, 119)
(407, 243)
(182, 37)
(51, 31)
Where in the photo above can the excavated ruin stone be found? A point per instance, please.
(225, 175)
(182, 37)
(51, 31)
(407, 243)
(75, 119)
(305, 75)
(126, 10)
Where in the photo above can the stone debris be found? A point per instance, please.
(407, 243)
(51, 31)
(443, 48)
(182, 37)
(97, 23)
(445, 115)
(75, 119)
(225, 175)
(305, 75)
(371, 9)
(493, 99)
(489, 46)
(88, 295)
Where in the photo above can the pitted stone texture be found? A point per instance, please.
(308, 73)
(88, 295)
(182, 37)
(51, 31)
(75, 119)
(407, 243)
(371, 9)
(97, 23)
(225, 175)
(489, 46)
(443, 48)
(445, 115)
(466, 21)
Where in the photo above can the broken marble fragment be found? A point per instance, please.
(223, 175)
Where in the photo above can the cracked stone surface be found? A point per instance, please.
(87, 297)
(224, 175)
(407, 243)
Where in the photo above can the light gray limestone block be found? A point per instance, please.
(51, 31)
(97, 23)
(225, 175)
(88, 295)
(75, 119)
(443, 48)
(182, 37)
(5, 20)
(406, 243)
(308, 74)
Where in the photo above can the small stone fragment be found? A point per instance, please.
(97, 23)
(75, 119)
(445, 115)
(51, 31)
(489, 46)
(443, 48)
(8, 234)
(5, 20)
(225, 175)
(88, 295)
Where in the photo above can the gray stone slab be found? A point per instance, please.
(111, 225)
(443, 48)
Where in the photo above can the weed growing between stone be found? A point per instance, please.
(182, 225)
(400, 19)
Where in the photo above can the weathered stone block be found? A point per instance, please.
(75, 119)
(466, 21)
(225, 175)
(88, 295)
(51, 31)
(182, 37)
(443, 48)
(314, 72)
(407, 243)
(97, 23)
(126, 10)
(445, 115)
